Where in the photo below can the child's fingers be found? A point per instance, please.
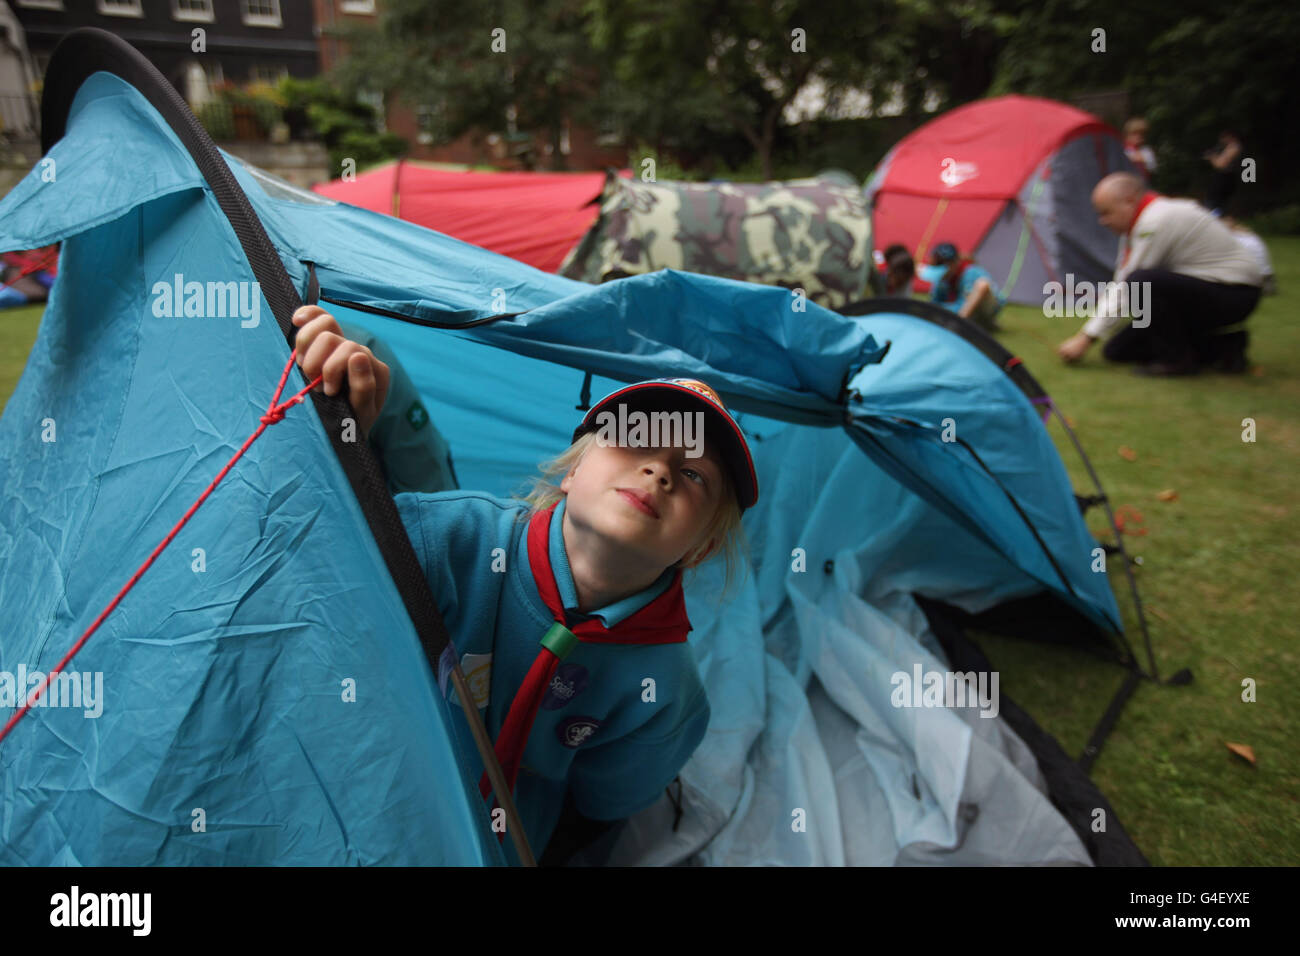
(367, 386)
(310, 325)
(335, 365)
(305, 313)
(315, 357)
(361, 386)
(381, 383)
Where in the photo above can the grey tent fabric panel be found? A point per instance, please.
(997, 254)
(1087, 248)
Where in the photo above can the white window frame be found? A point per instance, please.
(193, 16)
(119, 8)
(376, 101)
(260, 19)
(357, 7)
(41, 4)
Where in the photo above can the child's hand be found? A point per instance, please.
(321, 349)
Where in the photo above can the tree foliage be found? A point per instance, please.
(476, 63)
(710, 80)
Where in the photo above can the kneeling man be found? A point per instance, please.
(1200, 282)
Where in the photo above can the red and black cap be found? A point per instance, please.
(688, 395)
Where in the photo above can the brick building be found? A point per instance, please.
(505, 148)
(241, 41)
(246, 41)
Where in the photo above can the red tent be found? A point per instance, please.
(532, 217)
(1009, 181)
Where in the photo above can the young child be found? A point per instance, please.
(1136, 149)
(603, 711)
(961, 286)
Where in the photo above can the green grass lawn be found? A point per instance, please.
(1217, 580)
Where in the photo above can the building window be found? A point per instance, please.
(195, 10)
(431, 126)
(608, 132)
(262, 13)
(375, 100)
(358, 6)
(41, 4)
(119, 8)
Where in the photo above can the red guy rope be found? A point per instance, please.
(274, 413)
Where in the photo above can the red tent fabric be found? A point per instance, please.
(985, 173)
(532, 217)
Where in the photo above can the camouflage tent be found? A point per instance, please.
(812, 234)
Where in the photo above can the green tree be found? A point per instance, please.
(685, 71)
(1191, 69)
(480, 65)
(688, 71)
(348, 128)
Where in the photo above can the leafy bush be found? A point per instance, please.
(348, 128)
(1282, 221)
(218, 119)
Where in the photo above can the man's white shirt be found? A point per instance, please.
(1177, 235)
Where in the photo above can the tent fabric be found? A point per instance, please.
(224, 689)
(1009, 181)
(533, 217)
(811, 235)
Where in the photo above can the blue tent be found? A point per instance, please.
(273, 688)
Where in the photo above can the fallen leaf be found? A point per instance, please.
(1128, 454)
(1244, 751)
(1069, 421)
(1126, 514)
(1257, 371)
(1168, 495)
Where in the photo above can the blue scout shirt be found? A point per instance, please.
(602, 732)
(951, 296)
(413, 452)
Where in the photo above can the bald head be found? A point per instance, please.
(1116, 199)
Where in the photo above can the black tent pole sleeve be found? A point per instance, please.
(1109, 719)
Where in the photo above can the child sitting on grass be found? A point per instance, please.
(567, 607)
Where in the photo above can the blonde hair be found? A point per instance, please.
(723, 535)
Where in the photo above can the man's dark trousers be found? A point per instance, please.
(1184, 314)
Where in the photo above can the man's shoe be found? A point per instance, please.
(1164, 370)
(1235, 364)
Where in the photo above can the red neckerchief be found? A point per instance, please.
(954, 282)
(662, 621)
(1147, 199)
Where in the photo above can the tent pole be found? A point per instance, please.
(1119, 542)
(496, 776)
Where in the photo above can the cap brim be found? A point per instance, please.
(721, 430)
